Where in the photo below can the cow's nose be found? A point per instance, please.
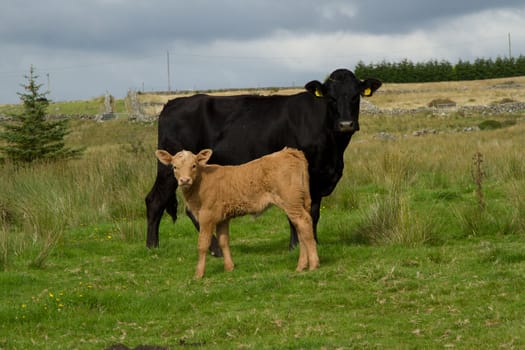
(346, 126)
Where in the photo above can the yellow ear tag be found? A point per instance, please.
(318, 93)
(367, 92)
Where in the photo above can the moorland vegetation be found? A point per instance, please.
(421, 243)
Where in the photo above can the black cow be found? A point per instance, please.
(320, 122)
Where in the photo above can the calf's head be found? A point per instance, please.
(342, 91)
(186, 165)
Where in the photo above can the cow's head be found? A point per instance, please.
(185, 164)
(342, 91)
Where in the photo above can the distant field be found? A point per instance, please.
(421, 243)
(464, 93)
(390, 96)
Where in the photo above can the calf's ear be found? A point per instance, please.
(316, 88)
(204, 156)
(369, 86)
(163, 156)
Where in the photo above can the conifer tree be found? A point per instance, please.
(30, 137)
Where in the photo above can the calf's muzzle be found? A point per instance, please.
(184, 181)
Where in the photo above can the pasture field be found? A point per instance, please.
(389, 96)
(421, 245)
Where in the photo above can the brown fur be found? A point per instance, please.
(215, 194)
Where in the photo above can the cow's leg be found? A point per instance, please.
(294, 240)
(315, 212)
(223, 235)
(205, 234)
(162, 196)
(215, 250)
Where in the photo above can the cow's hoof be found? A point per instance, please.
(216, 252)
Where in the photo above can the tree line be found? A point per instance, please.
(407, 71)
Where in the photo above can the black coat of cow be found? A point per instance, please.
(319, 121)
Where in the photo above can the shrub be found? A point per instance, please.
(490, 125)
(441, 102)
(503, 101)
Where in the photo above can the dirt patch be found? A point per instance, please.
(182, 343)
(139, 347)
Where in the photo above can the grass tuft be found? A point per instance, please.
(4, 247)
(390, 220)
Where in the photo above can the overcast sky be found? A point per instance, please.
(86, 48)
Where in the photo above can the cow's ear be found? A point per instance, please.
(316, 88)
(163, 156)
(204, 156)
(369, 86)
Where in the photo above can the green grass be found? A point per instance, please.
(89, 107)
(408, 258)
(99, 290)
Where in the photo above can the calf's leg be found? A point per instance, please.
(308, 243)
(307, 246)
(315, 213)
(302, 263)
(311, 248)
(223, 235)
(215, 250)
(205, 234)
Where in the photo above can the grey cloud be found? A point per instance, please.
(401, 16)
(117, 25)
(134, 25)
(117, 44)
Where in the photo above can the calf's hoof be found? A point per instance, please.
(300, 268)
(314, 267)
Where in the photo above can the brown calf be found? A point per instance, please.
(215, 194)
